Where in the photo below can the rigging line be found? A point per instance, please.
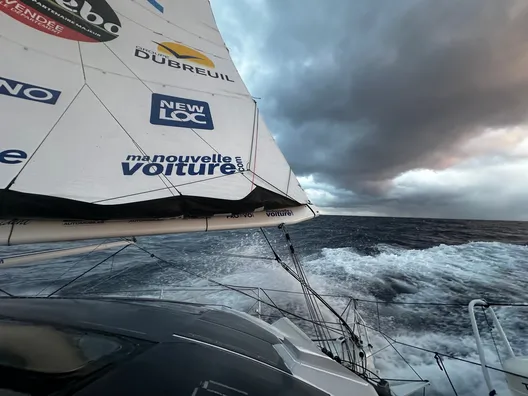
(255, 112)
(393, 302)
(311, 303)
(377, 309)
(112, 276)
(383, 302)
(444, 354)
(256, 149)
(404, 380)
(45, 137)
(85, 272)
(317, 308)
(323, 301)
(161, 177)
(6, 293)
(310, 309)
(381, 349)
(346, 307)
(398, 352)
(491, 334)
(239, 256)
(73, 265)
(250, 308)
(440, 363)
(221, 284)
(273, 302)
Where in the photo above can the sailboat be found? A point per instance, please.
(128, 118)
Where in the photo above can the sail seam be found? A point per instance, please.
(161, 189)
(173, 24)
(128, 67)
(82, 62)
(37, 50)
(151, 91)
(227, 94)
(272, 185)
(161, 177)
(44, 139)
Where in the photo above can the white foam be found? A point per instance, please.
(438, 274)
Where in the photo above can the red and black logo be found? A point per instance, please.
(79, 20)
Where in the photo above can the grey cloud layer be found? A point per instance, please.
(374, 88)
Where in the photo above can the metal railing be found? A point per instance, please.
(476, 333)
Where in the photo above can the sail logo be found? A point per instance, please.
(26, 91)
(12, 156)
(280, 213)
(181, 165)
(182, 58)
(180, 112)
(79, 20)
(183, 52)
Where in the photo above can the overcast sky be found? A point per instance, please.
(393, 107)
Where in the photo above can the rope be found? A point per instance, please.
(88, 270)
(440, 363)
(398, 352)
(502, 304)
(272, 302)
(73, 265)
(309, 303)
(444, 354)
(310, 300)
(329, 307)
(222, 285)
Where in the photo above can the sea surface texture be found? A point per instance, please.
(412, 280)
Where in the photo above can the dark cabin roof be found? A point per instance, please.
(136, 347)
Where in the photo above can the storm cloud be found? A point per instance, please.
(393, 107)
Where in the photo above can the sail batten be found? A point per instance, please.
(118, 109)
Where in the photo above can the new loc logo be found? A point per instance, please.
(180, 112)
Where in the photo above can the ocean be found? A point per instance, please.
(391, 266)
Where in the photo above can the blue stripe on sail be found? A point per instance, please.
(156, 5)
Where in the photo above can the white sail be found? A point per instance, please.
(116, 110)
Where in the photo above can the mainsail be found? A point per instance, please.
(127, 118)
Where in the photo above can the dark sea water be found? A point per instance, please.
(388, 260)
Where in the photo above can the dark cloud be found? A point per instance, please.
(370, 89)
